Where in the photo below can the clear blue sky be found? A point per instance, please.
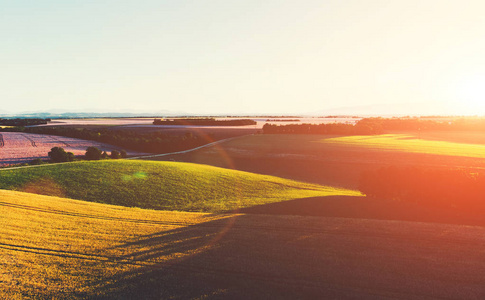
(250, 56)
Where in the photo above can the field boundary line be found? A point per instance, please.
(189, 150)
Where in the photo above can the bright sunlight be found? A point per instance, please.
(472, 96)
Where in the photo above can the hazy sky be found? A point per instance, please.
(251, 56)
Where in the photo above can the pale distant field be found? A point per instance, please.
(409, 143)
(148, 121)
(18, 147)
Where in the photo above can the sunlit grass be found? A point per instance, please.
(161, 185)
(410, 143)
(55, 247)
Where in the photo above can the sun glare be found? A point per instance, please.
(472, 96)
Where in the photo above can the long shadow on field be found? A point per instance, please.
(229, 258)
(281, 257)
(366, 208)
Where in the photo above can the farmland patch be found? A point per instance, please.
(410, 143)
(58, 248)
(24, 147)
(329, 161)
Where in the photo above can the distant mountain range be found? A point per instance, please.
(382, 109)
(76, 115)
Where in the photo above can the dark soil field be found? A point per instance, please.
(208, 132)
(54, 248)
(307, 158)
(330, 246)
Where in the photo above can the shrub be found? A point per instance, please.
(115, 154)
(36, 162)
(58, 154)
(93, 153)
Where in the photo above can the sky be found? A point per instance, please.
(243, 56)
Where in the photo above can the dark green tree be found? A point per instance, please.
(58, 154)
(93, 153)
(115, 154)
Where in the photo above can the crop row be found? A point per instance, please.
(32, 142)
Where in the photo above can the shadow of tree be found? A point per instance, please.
(230, 258)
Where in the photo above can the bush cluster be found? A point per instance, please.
(58, 154)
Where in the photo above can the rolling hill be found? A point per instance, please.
(160, 185)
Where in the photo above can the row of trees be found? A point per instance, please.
(153, 142)
(23, 122)
(380, 125)
(205, 122)
(426, 124)
(452, 188)
(58, 154)
(332, 128)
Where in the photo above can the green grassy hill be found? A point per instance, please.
(160, 185)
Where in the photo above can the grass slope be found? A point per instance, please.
(160, 185)
(55, 248)
(59, 248)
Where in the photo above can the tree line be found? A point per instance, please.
(282, 120)
(369, 126)
(331, 128)
(58, 154)
(426, 124)
(204, 122)
(152, 142)
(23, 122)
